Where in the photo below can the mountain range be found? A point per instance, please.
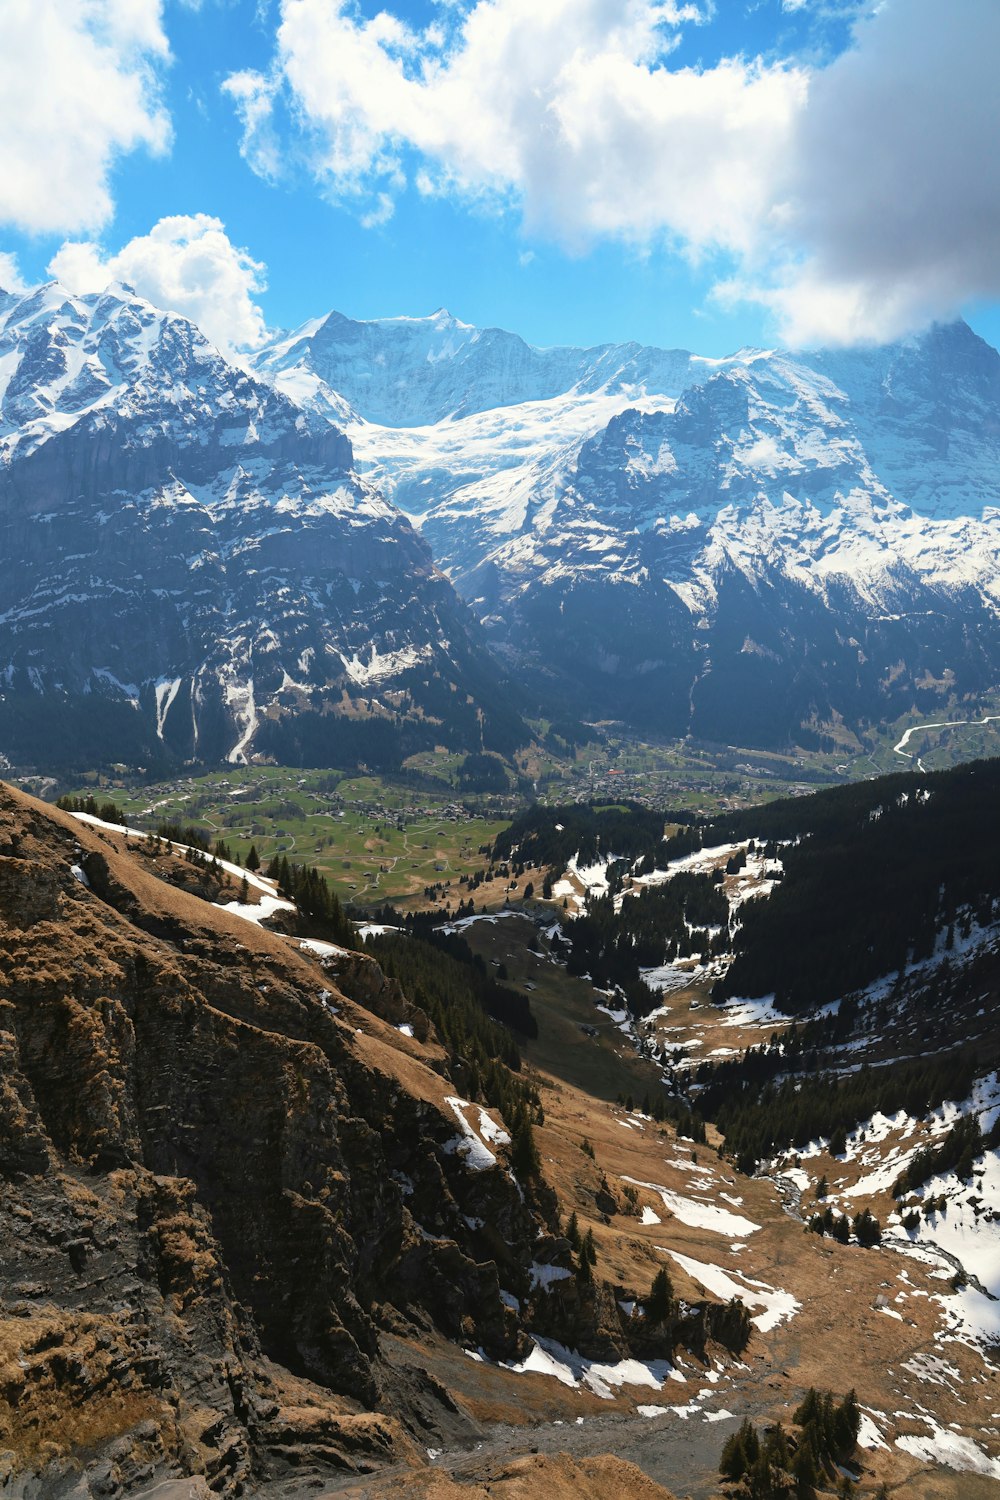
(373, 537)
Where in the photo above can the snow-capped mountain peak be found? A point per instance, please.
(188, 558)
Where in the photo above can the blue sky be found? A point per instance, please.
(685, 174)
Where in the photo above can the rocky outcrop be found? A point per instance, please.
(222, 1181)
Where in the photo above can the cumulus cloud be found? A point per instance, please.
(857, 198)
(186, 264)
(78, 87)
(567, 108)
(10, 273)
(892, 189)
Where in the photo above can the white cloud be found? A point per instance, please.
(859, 198)
(10, 273)
(892, 191)
(566, 107)
(78, 87)
(186, 264)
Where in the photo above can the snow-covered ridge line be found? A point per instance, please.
(259, 882)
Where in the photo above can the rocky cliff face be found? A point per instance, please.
(189, 565)
(224, 1185)
(411, 372)
(737, 566)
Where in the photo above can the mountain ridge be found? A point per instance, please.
(765, 508)
(213, 567)
(760, 549)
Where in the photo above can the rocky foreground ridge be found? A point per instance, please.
(235, 1208)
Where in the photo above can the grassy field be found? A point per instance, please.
(375, 838)
(389, 837)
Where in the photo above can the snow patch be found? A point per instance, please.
(778, 1305)
(698, 1214)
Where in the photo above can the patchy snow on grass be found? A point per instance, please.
(760, 1012)
(869, 1435)
(965, 1232)
(943, 1446)
(323, 950)
(797, 1177)
(572, 1369)
(778, 1306)
(648, 1216)
(491, 1131)
(78, 873)
(491, 918)
(593, 878)
(933, 1370)
(377, 929)
(670, 977)
(699, 1215)
(477, 1156)
(256, 912)
(971, 1317)
(702, 861)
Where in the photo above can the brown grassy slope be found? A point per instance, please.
(197, 1152)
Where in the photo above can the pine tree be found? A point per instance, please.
(846, 1425)
(777, 1448)
(805, 1470)
(253, 859)
(658, 1305)
(524, 1158)
(734, 1461)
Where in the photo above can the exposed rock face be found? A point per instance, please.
(189, 565)
(792, 542)
(407, 372)
(216, 1191)
(749, 550)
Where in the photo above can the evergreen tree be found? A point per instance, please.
(740, 1451)
(805, 1470)
(524, 1158)
(846, 1425)
(253, 859)
(659, 1304)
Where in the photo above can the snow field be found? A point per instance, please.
(778, 1306)
(698, 1214)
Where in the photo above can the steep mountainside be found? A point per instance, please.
(197, 563)
(262, 1230)
(189, 564)
(770, 557)
(413, 372)
(752, 549)
(227, 1188)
